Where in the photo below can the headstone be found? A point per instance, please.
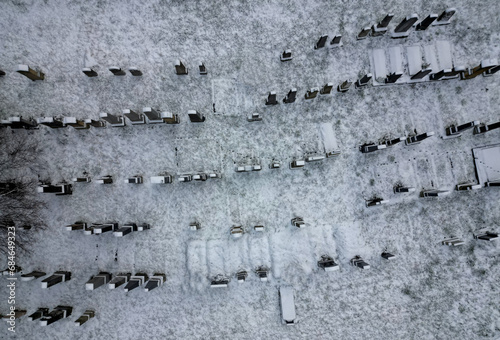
(134, 117)
(381, 28)
(331, 154)
(185, 178)
(482, 128)
(445, 17)
(240, 168)
(97, 281)
(214, 174)
(321, 42)
(32, 276)
(89, 72)
(468, 186)
(418, 138)
(392, 141)
(2, 73)
(400, 189)
(76, 226)
(363, 81)
(58, 313)
(135, 281)
(491, 71)
(297, 164)
(95, 123)
(262, 272)
(312, 93)
(364, 33)
(22, 123)
(116, 121)
(125, 230)
(326, 89)
(99, 229)
(424, 24)
(203, 69)
(51, 122)
(75, 123)
(254, 117)
(434, 193)
(298, 222)
(83, 179)
(195, 226)
(483, 67)
(488, 236)
(256, 167)
(458, 129)
(134, 71)
(271, 98)
(58, 189)
(376, 201)
(57, 277)
(162, 179)
(315, 158)
(40, 312)
(336, 41)
(85, 317)
(30, 73)
(144, 226)
(344, 86)
(180, 69)
(492, 184)
(105, 180)
(241, 276)
(259, 228)
(134, 180)
(117, 71)
(170, 118)
(401, 31)
(155, 281)
(237, 231)
(439, 75)
(290, 97)
(454, 72)
(357, 261)
(286, 55)
(327, 263)
(152, 115)
(388, 256)
(371, 147)
(393, 77)
(274, 165)
(219, 281)
(200, 177)
(421, 74)
(453, 242)
(195, 116)
(88, 230)
(118, 280)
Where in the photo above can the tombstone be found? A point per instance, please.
(185, 178)
(134, 117)
(84, 179)
(58, 313)
(144, 226)
(2, 73)
(134, 180)
(118, 280)
(40, 312)
(332, 154)
(95, 123)
(434, 193)
(357, 261)
(393, 77)
(240, 168)
(214, 174)
(200, 177)
(194, 226)
(401, 31)
(263, 273)
(371, 147)
(22, 123)
(336, 41)
(271, 98)
(344, 86)
(455, 72)
(453, 242)
(97, 281)
(286, 55)
(254, 117)
(259, 228)
(327, 264)
(78, 124)
(51, 122)
(116, 71)
(32, 276)
(89, 72)
(125, 230)
(381, 28)
(364, 80)
(468, 186)
(170, 118)
(297, 164)
(134, 71)
(376, 201)
(135, 281)
(418, 138)
(312, 93)
(219, 281)
(162, 179)
(155, 281)
(439, 75)
(180, 69)
(105, 180)
(256, 167)
(58, 189)
(76, 226)
(88, 230)
(326, 89)
(364, 33)
(152, 115)
(488, 236)
(400, 189)
(241, 276)
(274, 165)
(99, 229)
(203, 69)
(298, 222)
(391, 142)
(30, 73)
(424, 24)
(421, 74)
(195, 116)
(237, 231)
(115, 121)
(290, 97)
(483, 67)
(57, 277)
(315, 158)
(85, 317)
(321, 42)
(445, 17)
(491, 71)
(492, 184)
(483, 128)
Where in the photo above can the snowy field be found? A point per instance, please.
(429, 292)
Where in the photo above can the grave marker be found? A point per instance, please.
(32, 276)
(105, 180)
(358, 261)
(155, 281)
(290, 97)
(134, 180)
(116, 71)
(195, 116)
(468, 186)
(40, 312)
(180, 69)
(85, 317)
(152, 115)
(328, 264)
(371, 147)
(388, 256)
(135, 72)
(22, 123)
(134, 117)
(424, 24)
(445, 17)
(170, 118)
(185, 178)
(381, 28)
(488, 236)
(57, 277)
(393, 77)
(99, 229)
(237, 231)
(95, 123)
(297, 164)
(271, 98)
(483, 67)
(434, 193)
(51, 122)
(344, 86)
(401, 31)
(241, 276)
(401, 189)
(89, 72)
(298, 222)
(483, 128)
(76, 226)
(30, 73)
(135, 281)
(119, 280)
(326, 89)
(84, 179)
(203, 69)
(364, 33)
(453, 242)
(97, 281)
(312, 93)
(364, 80)
(274, 165)
(254, 117)
(78, 124)
(58, 189)
(336, 41)
(125, 230)
(418, 138)
(376, 201)
(219, 281)
(321, 42)
(115, 121)
(263, 273)
(195, 226)
(58, 313)
(286, 55)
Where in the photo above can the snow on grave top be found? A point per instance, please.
(487, 161)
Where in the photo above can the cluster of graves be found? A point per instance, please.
(47, 317)
(101, 228)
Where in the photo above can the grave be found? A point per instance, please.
(30, 73)
(78, 124)
(2, 73)
(326, 89)
(58, 313)
(311, 93)
(455, 130)
(134, 117)
(315, 158)
(492, 184)
(297, 164)
(336, 41)
(290, 97)
(99, 229)
(219, 281)
(98, 280)
(214, 174)
(195, 116)
(483, 128)
(85, 317)
(105, 180)
(40, 312)
(371, 147)
(135, 281)
(263, 273)
(32, 276)
(58, 189)
(135, 71)
(203, 69)
(487, 162)
(491, 71)
(161, 179)
(116, 71)
(401, 31)
(51, 122)
(84, 179)
(434, 193)
(274, 165)
(321, 42)
(144, 226)
(363, 81)
(400, 189)
(89, 72)
(125, 230)
(393, 77)
(413, 140)
(364, 33)
(327, 263)
(194, 226)
(254, 117)
(381, 28)
(298, 222)
(118, 280)
(445, 17)
(453, 242)
(392, 141)
(344, 86)
(22, 123)
(57, 277)
(375, 201)
(424, 24)
(185, 178)
(357, 261)
(468, 186)
(237, 231)
(388, 256)
(488, 236)
(258, 228)
(155, 281)
(152, 115)
(134, 180)
(115, 121)
(241, 276)
(95, 123)
(201, 176)
(180, 69)
(170, 118)
(271, 98)
(76, 226)
(286, 55)
(483, 67)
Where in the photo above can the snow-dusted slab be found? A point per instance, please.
(287, 304)
(487, 161)
(378, 66)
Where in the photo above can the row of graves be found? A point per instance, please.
(101, 228)
(46, 317)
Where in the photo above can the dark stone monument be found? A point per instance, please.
(321, 42)
(297, 164)
(22, 123)
(271, 98)
(488, 236)
(371, 147)
(458, 129)
(400, 189)
(89, 72)
(364, 33)
(241, 276)
(336, 41)
(58, 189)
(326, 89)
(135, 281)
(85, 317)
(58, 313)
(116, 71)
(134, 117)
(195, 116)
(203, 69)
(453, 242)
(30, 73)
(2, 73)
(290, 97)
(116, 121)
(195, 226)
(424, 24)
(76, 226)
(483, 128)
(134, 180)
(421, 74)
(312, 93)
(483, 67)
(78, 124)
(57, 277)
(393, 77)
(401, 31)
(97, 281)
(445, 17)
(263, 273)
(388, 256)
(375, 201)
(40, 312)
(254, 117)
(105, 180)
(118, 280)
(364, 80)
(170, 118)
(32, 276)
(95, 123)
(298, 222)
(344, 86)
(134, 71)
(327, 263)
(180, 69)
(357, 261)
(155, 281)
(381, 28)
(286, 55)
(219, 281)
(54, 123)
(418, 138)
(103, 228)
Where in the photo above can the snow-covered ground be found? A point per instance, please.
(430, 292)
